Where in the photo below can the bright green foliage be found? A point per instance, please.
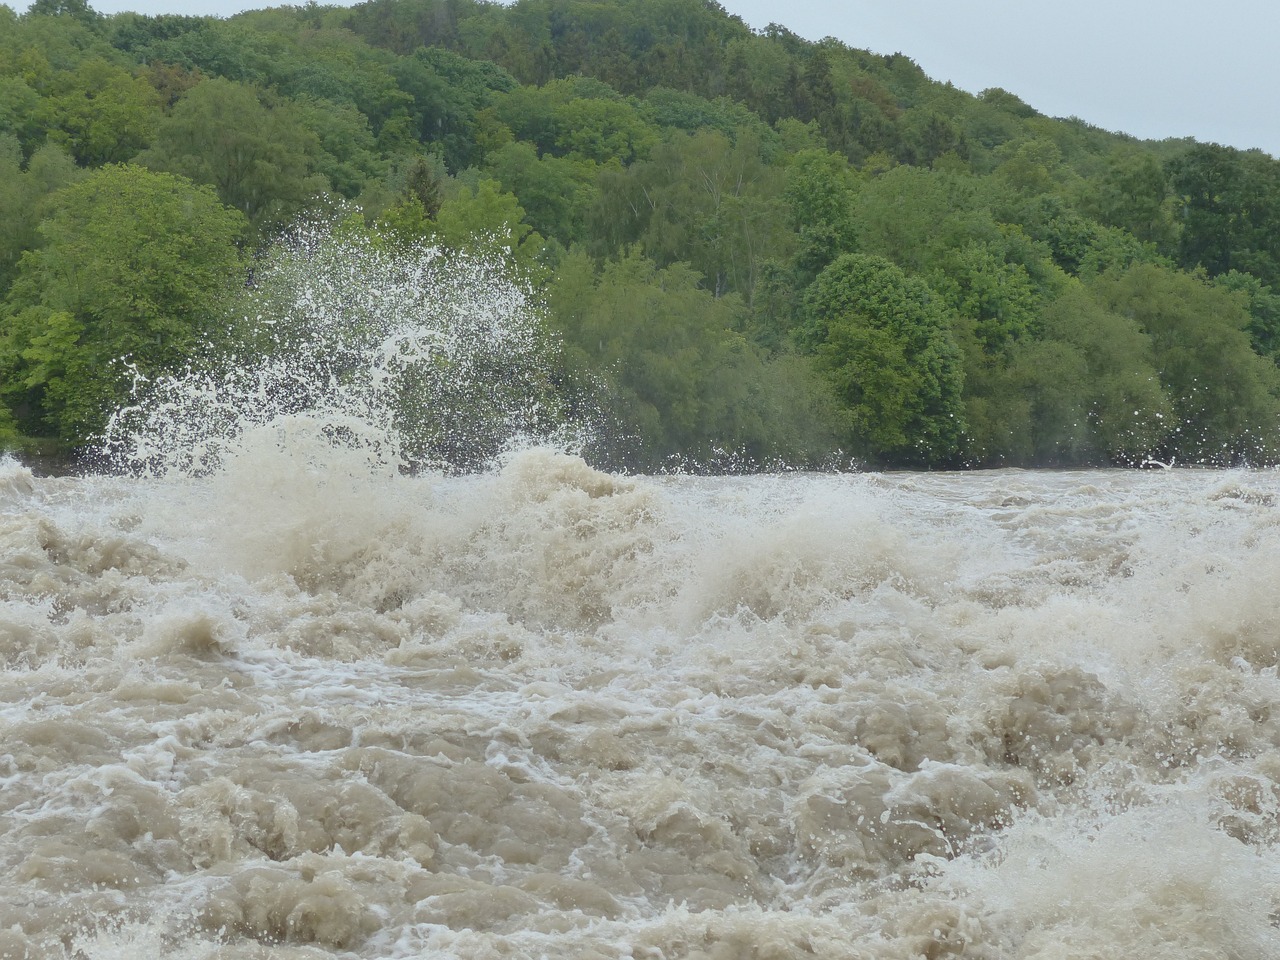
(22, 194)
(1224, 396)
(682, 386)
(884, 341)
(712, 203)
(555, 192)
(259, 157)
(129, 268)
(740, 167)
(821, 191)
(102, 114)
(488, 217)
(997, 298)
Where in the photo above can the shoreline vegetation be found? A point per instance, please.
(749, 250)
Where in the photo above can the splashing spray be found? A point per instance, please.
(409, 356)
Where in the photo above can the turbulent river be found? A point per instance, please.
(301, 709)
(273, 687)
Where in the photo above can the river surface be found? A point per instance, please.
(301, 708)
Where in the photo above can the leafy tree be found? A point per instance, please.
(1224, 396)
(348, 157)
(681, 385)
(884, 341)
(713, 203)
(422, 182)
(679, 110)
(102, 114)
(556, 192)
(213, 47)
(1230, 203)
(23, 192)
(487, 217)
(75, 9)
(577, 117)
(1094, 385)
(821, 190)
(448, 93)
(406, 25)
(757, 72)
(129, 268)
(259, 156)
(1134, 195)
(911, 215)
(997, 298)
(1263, 305)
(21, 112)
(698, 163)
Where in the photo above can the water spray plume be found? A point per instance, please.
(414, 355)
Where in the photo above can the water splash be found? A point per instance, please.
(406, 357)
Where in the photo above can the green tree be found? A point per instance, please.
(1134, 194)
(577, 117)
(1230, 201)
(1093, 385)
(555, 192)
(680, 384)
(23, 192)
(75, 9)
(912, 216)
(884, 340)
(1263, 304)
(103, 114)
(713, 203)
(348, 157)
(257, 154)
(448, 93)
(130, 266)
(996, 298)
(1224, 396)
(821, 190)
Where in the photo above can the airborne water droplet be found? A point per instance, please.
(414, 356)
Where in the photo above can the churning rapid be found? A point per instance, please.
(270, 695)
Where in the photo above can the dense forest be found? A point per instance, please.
(752, 249)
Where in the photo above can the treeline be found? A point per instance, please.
(755, 249)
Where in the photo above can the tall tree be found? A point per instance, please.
(129, 269)
(1224, 396)
(884, 341)
(259, 157)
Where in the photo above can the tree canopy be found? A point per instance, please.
(754, 249)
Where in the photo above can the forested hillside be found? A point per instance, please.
(754, 249)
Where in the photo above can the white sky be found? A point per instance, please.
(1152, 68)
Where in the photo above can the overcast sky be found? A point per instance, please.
(1152, 68)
